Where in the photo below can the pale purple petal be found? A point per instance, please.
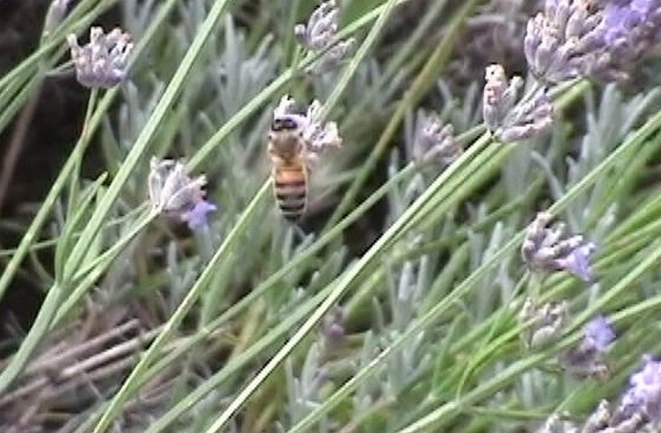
(599, 333)
(196, 218)
(644, 394)
(577, 262)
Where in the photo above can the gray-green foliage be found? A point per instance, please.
(240, 339)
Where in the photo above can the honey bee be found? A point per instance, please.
(287, 150)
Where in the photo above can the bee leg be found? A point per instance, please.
(298, 231)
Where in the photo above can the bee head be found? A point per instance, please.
(283, 124)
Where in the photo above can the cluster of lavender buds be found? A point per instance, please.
(602, 420)
(546, 249)
(103, 62)
(586, 360)
(644, 393)
(544, 323)
(598, 39)
(332, 330)
(319, 36)
(318, 136)
(639, 410)
(173, 193)
(508, 118)
(433, 141)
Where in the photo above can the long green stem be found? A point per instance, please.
(424, 80)
(50, 304)
(223, 253)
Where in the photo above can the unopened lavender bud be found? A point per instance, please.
(55, 14)
(433, 140)
(599, 419)
(508, 118)
(545, 248)
(579, 38)
(332, 58)
(320, 35)
(321, 28)
(333, 328)
(528, 119)
(103, 62)
(547, 324)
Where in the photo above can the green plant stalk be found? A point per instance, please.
(423, 81)
(14, 98)
(146, 135)
(186, 304)
(402, 60)
(50, 242)
(98, 267)
(634, 243)
(438, 417)
(276, 85)
(73, 221)
(182, 348)
(49, 306)
(578, 189)
(68, 25)
(633, 222)
(344, 391)
(86, 137)
(453, 188)
(36, 332)
(356, 59)
(308, 253)
(291, 49)
(239, 361)
(330, 102)
(464, 288)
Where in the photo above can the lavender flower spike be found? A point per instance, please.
(586, 359)
(546, 321)
(320, 35)
(103, 62)
(433, 141)
(507, 118)
(317, 135)
(547, 249)
(599, 333)
(173, 193)
(644, 394)
(599, 39)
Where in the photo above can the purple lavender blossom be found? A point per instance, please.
(175, 194)
(103, 62)
(644, 394)
(319, 35)
(602, 40)
(599, 333)
(433, 140)
(577, 261)
(548, 249)
(196, 217)
(586, 360)
(507, 116)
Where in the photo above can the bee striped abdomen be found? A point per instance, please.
(291, 190)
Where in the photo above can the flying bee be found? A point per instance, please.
(287, 149)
